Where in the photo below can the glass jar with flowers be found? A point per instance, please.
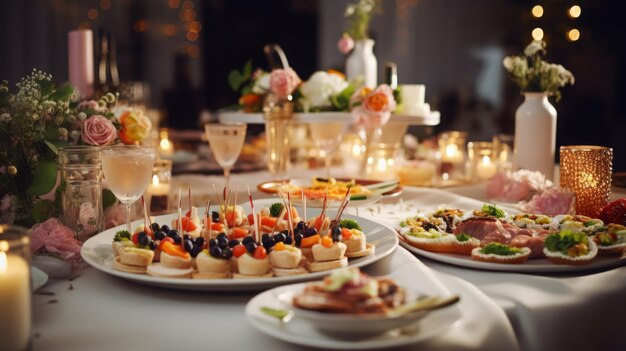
(361, 64)
(535, 119)
(37, 121)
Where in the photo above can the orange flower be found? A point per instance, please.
(135, 127)
(376, 102)
(335, 72)
(251, 102)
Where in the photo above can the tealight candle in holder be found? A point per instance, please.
(159, 189)
(452, 155)
(166, 147)
(15, 293)
(586, 170)
(483, 162)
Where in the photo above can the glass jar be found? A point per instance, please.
(278, 116)
(483, 160)
(452, 155)
(80, 169)
(15, 288)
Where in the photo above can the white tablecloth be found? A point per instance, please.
(546, 312)
(99, 312)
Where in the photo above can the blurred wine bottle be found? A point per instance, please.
(391, 75)
(108, 75)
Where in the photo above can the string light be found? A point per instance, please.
(93, 14)
(537, 11)
(573, 34)
(574, 11)
(537, 33)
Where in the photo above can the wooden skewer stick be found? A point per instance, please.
(304, 204)
(257, 234)
(187, 225)
(290, 219)
(180, 204)
(209, 219)
(343, 202)
(281, 215)
(221, 205)
(145, 215)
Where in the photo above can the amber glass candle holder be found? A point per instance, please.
(586, 170)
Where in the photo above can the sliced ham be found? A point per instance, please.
(485, 229)
(534, 243)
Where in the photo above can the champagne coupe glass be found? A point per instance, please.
(226, 142)
(326, 136)
(127, 170)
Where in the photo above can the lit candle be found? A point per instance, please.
(485, 169)
(14, 301)
(159, 195)
(166, 148)
(452, 154)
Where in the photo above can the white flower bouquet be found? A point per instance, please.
(532, 74)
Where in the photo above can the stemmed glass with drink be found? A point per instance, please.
(326, 136)
(226, 142)
(127, 170)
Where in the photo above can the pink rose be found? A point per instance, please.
(53, 237)
(114, 215)
(98, 130)
(375, 108)
(552, 202)
(345, 43)
(283, 82)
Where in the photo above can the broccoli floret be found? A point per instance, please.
(122, 235)
(275, 209)
(349, 224)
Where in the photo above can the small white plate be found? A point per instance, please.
(411, 274)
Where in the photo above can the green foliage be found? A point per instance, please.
(237, 79)
(359, 15)
(341, 102)
(42, 210)
(44, 178)
(108, 199)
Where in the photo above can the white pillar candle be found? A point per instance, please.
(157, 188)
(80, 60)
(15, 311)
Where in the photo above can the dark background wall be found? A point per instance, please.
(455, 47)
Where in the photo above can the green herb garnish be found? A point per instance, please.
(493, 210)
(563, 240)
(122, 235)
(463, 237)
(349, 224)
(589, 223)
(274, 312)
(275, 209)
(500, 249)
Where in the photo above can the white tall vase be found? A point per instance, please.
(535, 134)
(362, 63)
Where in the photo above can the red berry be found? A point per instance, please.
(135, 238)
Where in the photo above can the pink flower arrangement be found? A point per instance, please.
(552, 202)
(53, 237)
(283, 82)
(372, 108)
(98, 130)
(345, 43)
